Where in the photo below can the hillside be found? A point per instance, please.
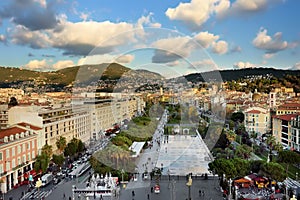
(230, 75)
(81, 75)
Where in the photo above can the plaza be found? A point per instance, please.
(184, 154)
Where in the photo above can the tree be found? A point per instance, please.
(58, 159)
(288, 157)
(13, 102)
(243, 151)
(242, 166)
(42, 162)
(47, 150)
(273, 170)
(223, 166)
(238, 117)
(61, 143)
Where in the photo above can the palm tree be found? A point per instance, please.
(61, 143)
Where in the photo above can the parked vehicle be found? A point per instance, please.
(46, 179)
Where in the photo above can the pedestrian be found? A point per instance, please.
(200, 192)
(133, 193)
(101, 197)
(203, 194)
(64, 196)
(148, 196)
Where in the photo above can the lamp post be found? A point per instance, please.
(230, 182)
(189, 184)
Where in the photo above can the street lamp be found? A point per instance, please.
(189, 184)
(230, 182)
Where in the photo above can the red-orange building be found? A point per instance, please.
(18, 150)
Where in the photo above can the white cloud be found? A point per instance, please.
(196, 12)
(147, 21)
(205, 65)
(268, 55)
(125, 58)
(206, 39)
(296, 66)
(171, 49)
(243, 65)
(269, 44)
(37, 65)
(173, 64)
(249, 5)
(220, 47)
(63, 64)
(35, 39)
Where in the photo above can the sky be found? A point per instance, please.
(171, 37)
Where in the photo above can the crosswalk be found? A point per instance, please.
(37, 194)
(292, 183)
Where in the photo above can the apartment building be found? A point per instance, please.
(257, 120)
(295, 133)
(105, 113)
(18, 149)
(282, 129)
(67, 121)
(288, 108)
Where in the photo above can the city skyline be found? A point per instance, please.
(166, 37)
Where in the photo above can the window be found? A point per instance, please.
(13, 151)
(28, 156)
(32, 144)
(19, 160)
(24, 159)
(28, 145)
(0, 155)
(33, 155)
(7, 167)
(1, 168)
(7, 153)
(13, 163)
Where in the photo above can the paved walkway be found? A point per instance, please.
(184, 154)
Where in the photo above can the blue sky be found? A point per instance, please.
(164, 36)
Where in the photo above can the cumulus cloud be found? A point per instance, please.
(74, 39)
(268, 43)
(35, 39)
(171, 49)
(204, 65)
(196, 12)
(125, 58)
(220, 47)
(147, 21)
(243, 65)
(296, 66)
(62, 64)
(249, 5)
(37, 65)
(32, 14)
(206, 39)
